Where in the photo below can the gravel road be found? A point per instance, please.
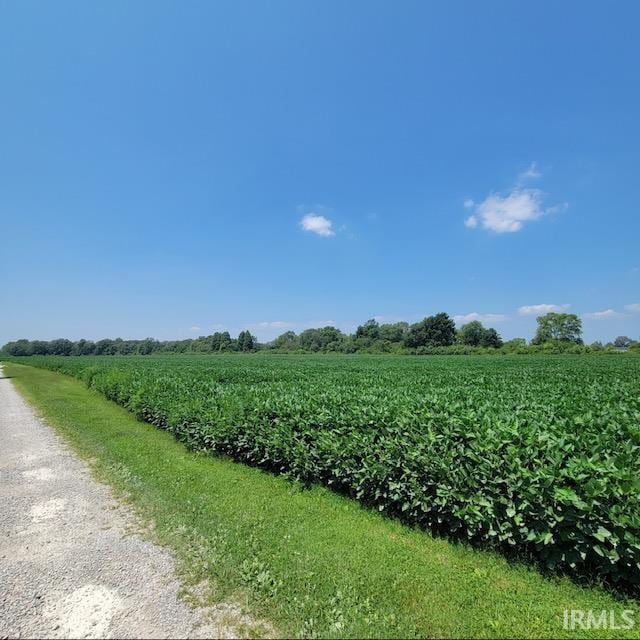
(69, 564)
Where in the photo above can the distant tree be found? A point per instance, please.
(395, 332)
(221, 341)
(563, 327)
(246, 342)
(622, 342)
(310, 340)
(434, 331)
(147, 346)
(287, 340)
(39, 347)
(128, 347)
(331, 338)
(119, 347)
(104, 348)
(61, 347)
(83, 348)
(20, 347)
(370, 330)
(471, 333)
(490, 338)
(515, 344)
(476, 335)
(175, 346)
(325, 339)
(201, 344)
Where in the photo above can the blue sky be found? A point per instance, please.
(170, 169)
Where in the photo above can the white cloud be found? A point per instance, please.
(603, 315)
(634, 308)
(538, 309)
(318, 224)
(482, 317)
(529, 174)
(194, 329)
(508, 212)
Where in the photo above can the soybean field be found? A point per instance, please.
(537, 456)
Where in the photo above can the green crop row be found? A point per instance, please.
(540, 456)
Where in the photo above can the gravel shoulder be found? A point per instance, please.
(71, 564)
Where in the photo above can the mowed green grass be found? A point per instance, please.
(307, 560)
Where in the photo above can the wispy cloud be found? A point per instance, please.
(275, 324)
(634, 308)
(286, 325)
(531, 173)
(607, 314)
(482, 317)
(537, 309)
(318, 224)
(194, 329)
(508, 212)
(471, 222)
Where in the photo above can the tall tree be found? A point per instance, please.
(565, 327)
(221, 341)
(433, 331)
(246, 342)
(471, 333)
(490, 338)
(369, 330)
(476, 335)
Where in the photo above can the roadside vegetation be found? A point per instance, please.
(434, 335)
(311, 561)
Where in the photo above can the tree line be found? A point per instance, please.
(556, 333)
(215, 343)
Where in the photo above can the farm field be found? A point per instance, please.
(537, 457)
(309, 561)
